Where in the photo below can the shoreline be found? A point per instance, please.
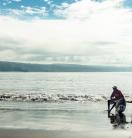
(30, 133)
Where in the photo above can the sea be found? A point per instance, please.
(72, 101)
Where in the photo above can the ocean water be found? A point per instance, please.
(60, 101)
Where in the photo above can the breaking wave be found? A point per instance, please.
(42, 97)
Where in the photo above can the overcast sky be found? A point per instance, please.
(97, 32)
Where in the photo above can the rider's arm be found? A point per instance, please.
(112, 97)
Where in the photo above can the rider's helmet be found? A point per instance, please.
(114, 87)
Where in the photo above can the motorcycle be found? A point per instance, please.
(118, 119)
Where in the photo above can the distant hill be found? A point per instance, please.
(26, 67)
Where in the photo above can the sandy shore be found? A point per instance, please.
(20, 133)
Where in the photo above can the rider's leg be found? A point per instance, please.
(120, 105)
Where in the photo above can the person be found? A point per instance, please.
(116, 94)
(118, 101)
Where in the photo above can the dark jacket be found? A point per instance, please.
(117, 95)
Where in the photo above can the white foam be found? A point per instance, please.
(43, 97)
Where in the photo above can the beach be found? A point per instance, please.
(21, 133)
(71, 120)
(60, 105)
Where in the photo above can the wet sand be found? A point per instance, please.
(20, 133)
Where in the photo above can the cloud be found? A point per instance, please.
(5, 2)
(38, 11)
(16, 0)
(27, 11)
(87, 8)
(90, 33)
(49, 2)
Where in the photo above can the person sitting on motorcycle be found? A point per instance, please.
(117, 98)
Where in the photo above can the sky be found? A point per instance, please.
(88, 32)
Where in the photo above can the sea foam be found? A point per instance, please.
(43, 97)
